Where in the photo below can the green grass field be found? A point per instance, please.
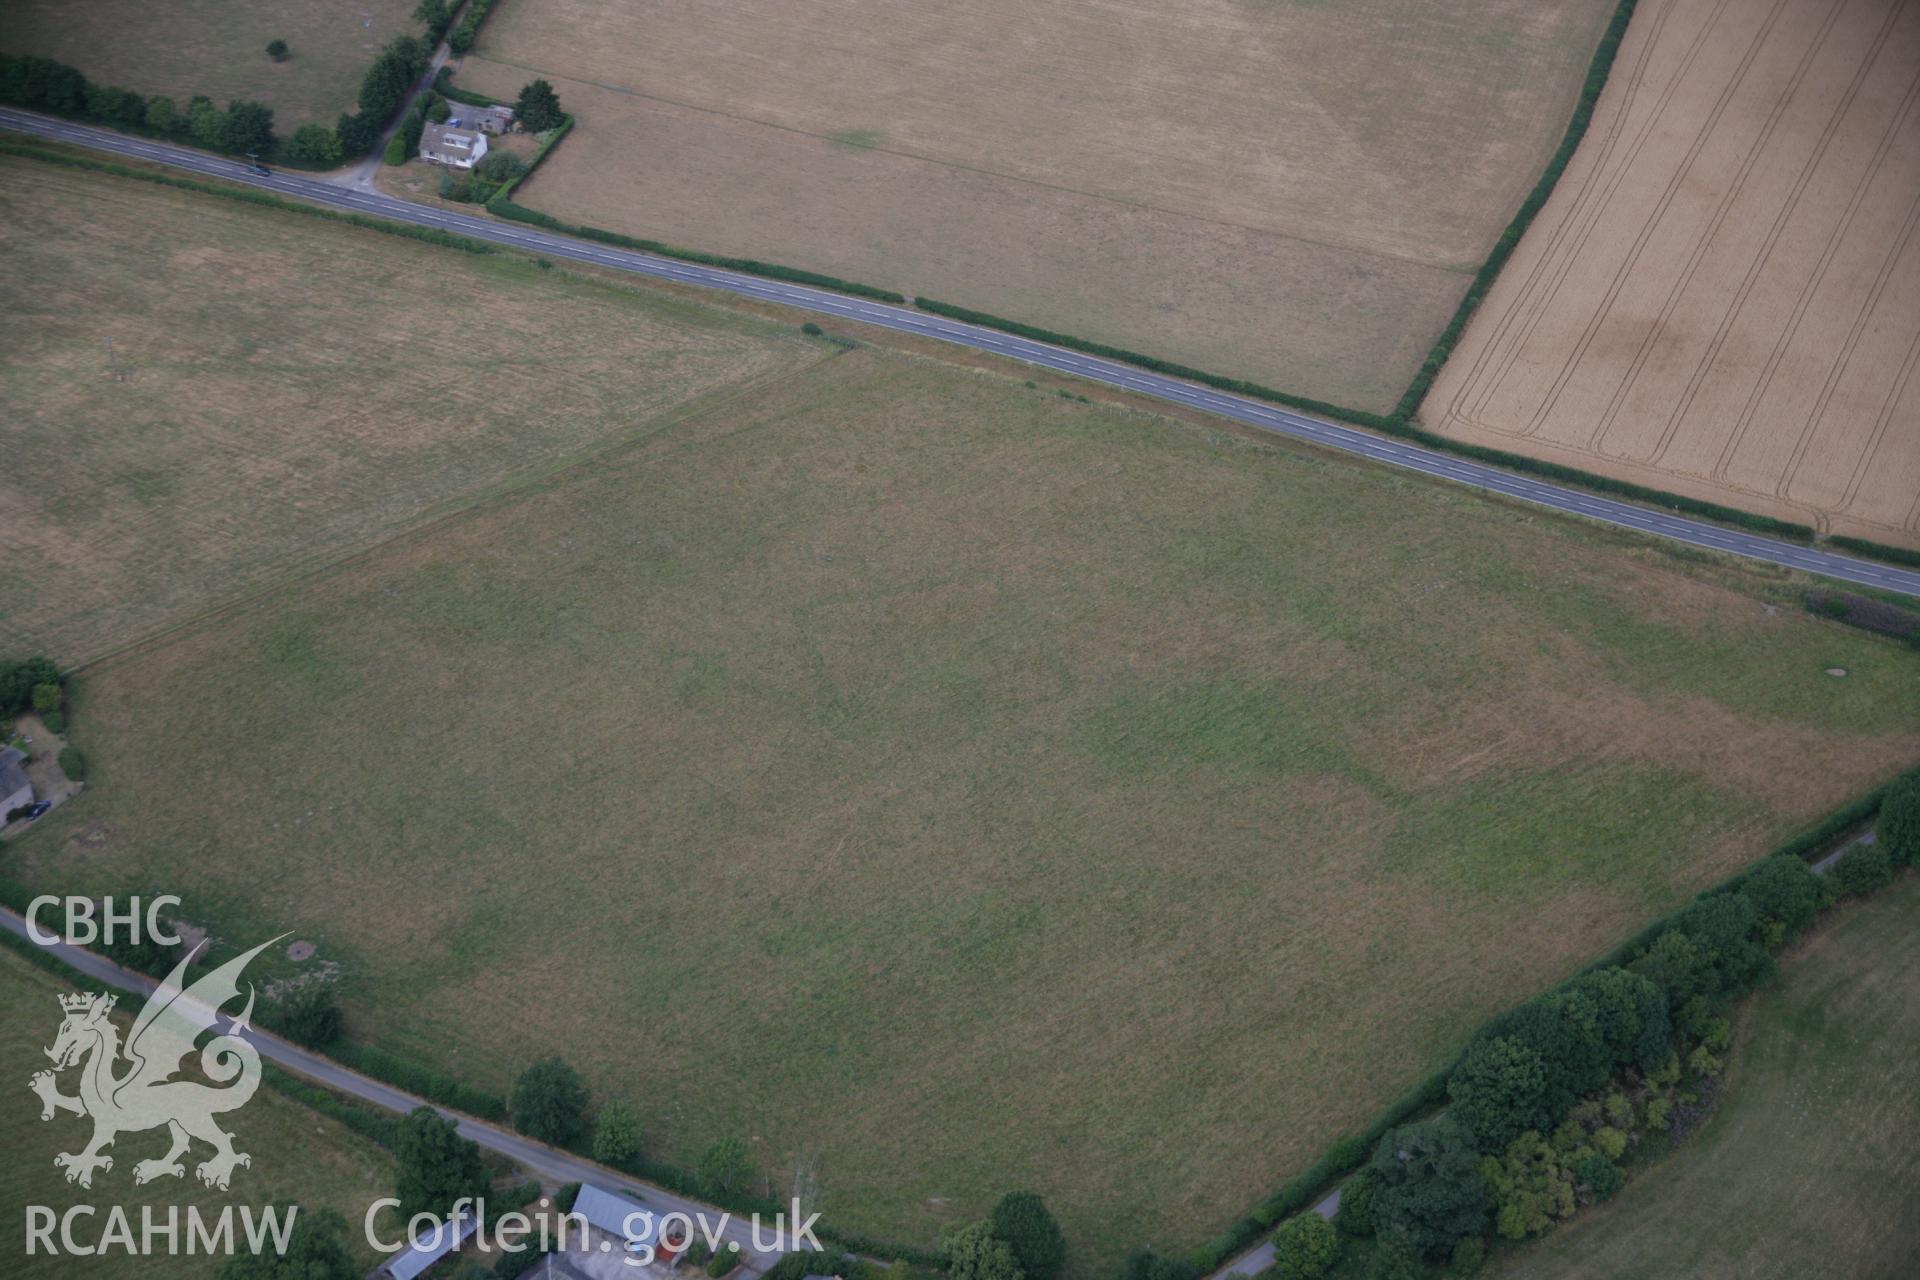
(198, 398)
(298, 1155)
(898, 766)
(1811, 1166)
(217, 48)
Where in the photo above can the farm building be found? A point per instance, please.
(15, 791)
(456, 148)
(496, 119)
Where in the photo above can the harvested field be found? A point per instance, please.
(1812, 1166)
(298, 1155)
(197, 396)
(1290, 193)
(1722, 298)
(217, 47)
(899, 766)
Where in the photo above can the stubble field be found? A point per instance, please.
(1290, 193)
(1723, 295)
(216, 47)
(197, 398)
(1810, 1168)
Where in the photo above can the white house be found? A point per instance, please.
(455, 148)
(15, 791)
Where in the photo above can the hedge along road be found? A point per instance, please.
(1253, 413)
(543, 1162)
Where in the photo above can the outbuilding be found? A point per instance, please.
(15, 791)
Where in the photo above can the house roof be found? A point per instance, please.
(467, 115)
(430, 1248)
(615, 1214)
(444, 139)
(12, 776)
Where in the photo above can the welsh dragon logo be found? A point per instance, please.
(146, 1093)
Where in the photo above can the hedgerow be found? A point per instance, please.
(751, 266)
(1712, 984)
(248, 195)
(1503, 248)
(1389, 425)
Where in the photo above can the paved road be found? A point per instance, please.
(1253, 413)
(541, 1161)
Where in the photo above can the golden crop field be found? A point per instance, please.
(1291, 193)
(216, 47)
(1722, 298)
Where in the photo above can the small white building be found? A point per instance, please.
(15, 791)
(455, 148)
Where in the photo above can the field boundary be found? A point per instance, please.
(1598, 71)
(752, 266)
(1404, 428)
(246, 195)
(1348, 1154)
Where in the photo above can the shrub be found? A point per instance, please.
(1898, 830)
(1611, 1142)
(1658, 1114)
(563, 1198)
(1021, 1219)
(396, 153)
(309, 1014)
(1862, 869)
(549, 1103)
(1599, 1175)
(18, 680)
(1355, 1214)
(357, 134)
(974, 1253)
(724, 1261)
(1785, 889)
(1469, 1254)
(46, 697)
(314, 144)
(500, 166)
(1498, 1091)
(55, 720)
(319, 1246)
(437, 1165)
(1431, 1190)
(277, 50)
(539, 107)
(811, 329)
(1305, 1247)
(616, 1132)
(724, 1166)
(1703, 1062)
(160, 116)
(439, 111)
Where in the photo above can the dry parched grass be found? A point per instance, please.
(197, 397)
(970, 789)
